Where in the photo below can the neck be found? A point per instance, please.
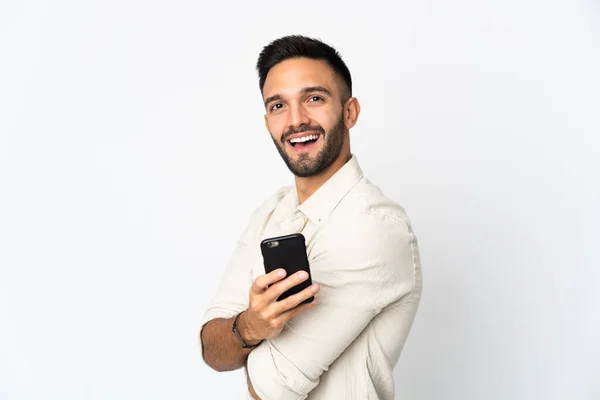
(307, 186)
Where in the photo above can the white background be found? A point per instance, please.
(132, 151)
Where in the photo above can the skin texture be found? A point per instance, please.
(296, 102)
(301, 96)
(264, 319)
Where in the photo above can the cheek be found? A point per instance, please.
(325, 117)
(276, 127)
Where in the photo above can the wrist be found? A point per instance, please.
(245, 329)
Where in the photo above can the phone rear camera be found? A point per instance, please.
(272, 244)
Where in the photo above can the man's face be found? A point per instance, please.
(304, 114)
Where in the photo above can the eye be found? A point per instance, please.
(275, 106)
(315, 98)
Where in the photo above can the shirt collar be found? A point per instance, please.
(322, 202)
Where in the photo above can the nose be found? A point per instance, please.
(297, 116)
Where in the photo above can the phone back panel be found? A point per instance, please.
(287, 252)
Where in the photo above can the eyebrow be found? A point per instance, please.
(305, 90)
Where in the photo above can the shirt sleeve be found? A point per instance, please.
(362, 267)
(232, 295)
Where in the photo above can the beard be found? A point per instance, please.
(306, 166)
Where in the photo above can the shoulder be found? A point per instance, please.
(267, 205)
(260, 214)
(368, 242)
(369, 235)
(368, 204)
(369, 227)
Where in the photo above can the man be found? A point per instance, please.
(363, 254)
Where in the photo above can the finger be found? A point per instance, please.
(286, 316)
(295, 299)
(261, 283)
(278, 289)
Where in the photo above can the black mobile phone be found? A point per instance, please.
(287, 252)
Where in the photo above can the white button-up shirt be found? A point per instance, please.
(363, 253)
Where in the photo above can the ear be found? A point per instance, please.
(267, 124)
(351, 112)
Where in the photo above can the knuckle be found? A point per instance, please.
(298, 297)
(291, 302)
(262, 314)
(280, 289)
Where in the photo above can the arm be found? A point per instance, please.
(363, 272)
(221, 350)
(219, 347)
(264, 319)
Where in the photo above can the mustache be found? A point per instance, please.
(302, 129)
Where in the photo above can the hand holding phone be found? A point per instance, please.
(287, 252)
(280, 294)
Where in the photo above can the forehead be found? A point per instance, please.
(290, 76)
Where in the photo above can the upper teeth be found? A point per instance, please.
(304, 138)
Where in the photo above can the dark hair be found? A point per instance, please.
(295, 46)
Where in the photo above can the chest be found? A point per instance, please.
(296, 223)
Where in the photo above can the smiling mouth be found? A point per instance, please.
(304, 141)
